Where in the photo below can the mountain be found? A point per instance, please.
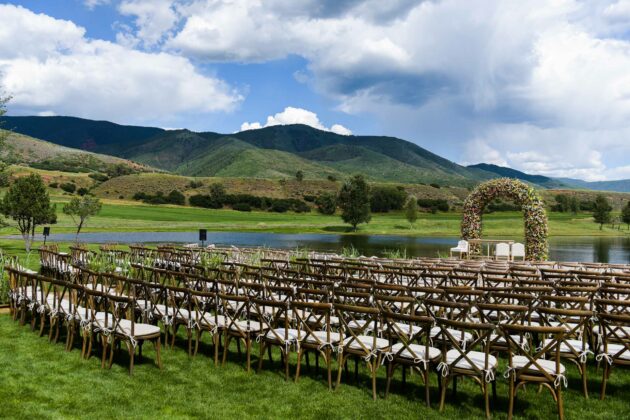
(539, 180)
(273, 152)
(622, 185)
(94, 136)
(25, 150)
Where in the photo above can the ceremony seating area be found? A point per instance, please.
(441, 318)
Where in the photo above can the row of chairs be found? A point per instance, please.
(458, 331)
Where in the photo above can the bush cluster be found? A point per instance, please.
(248, 202)
(174, 197)
(68, 187)
(433, 204)
(384, 199)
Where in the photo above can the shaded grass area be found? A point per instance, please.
(121, 216)
(42, 380)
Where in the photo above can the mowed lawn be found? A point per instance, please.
(127, 216)
(41, 380)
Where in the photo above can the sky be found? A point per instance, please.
(541, 86)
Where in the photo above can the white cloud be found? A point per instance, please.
(292, 115)
(48, 65)
(153, 19)
(91, 4)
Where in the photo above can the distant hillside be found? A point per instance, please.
(95, 136)
(21, 149)
(272, 152)
(622, 185)
(539, 180)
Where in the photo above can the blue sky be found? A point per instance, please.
(538, 86)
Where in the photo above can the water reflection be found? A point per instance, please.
(585, 249)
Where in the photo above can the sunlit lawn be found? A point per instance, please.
(41, 380)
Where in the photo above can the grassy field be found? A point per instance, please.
(129, 216)
(41, 380)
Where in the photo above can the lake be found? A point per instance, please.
(584, 249)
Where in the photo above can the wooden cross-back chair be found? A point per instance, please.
(501, 313)
(238, 324)
(121, 326)
(613, 346)
(472, 360)
(360, 325)
(525, 366)
(315, 333)
(206, 318)
(409, 337)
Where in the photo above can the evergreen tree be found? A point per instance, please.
(601, 211)
(411, 210)
(299, 175)
(625, 214)
(28, 204)
(326, 203)
(354, 201)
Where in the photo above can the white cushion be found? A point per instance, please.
(613, 349)
(577, 345)
(460, 335)
(478, 358)
(279, 334)
(335, 337)
(242, 326)
(418, 349)
(368, 342)
(548, 365)
(409, 329)
(139, 330)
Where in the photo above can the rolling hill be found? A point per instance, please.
(273, 152)
(24, 150)
(622, 185)
(539, 180)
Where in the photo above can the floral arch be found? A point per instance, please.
(536, 247)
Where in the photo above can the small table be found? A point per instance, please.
(488, 242)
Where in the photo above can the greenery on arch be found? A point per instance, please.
(536, 229)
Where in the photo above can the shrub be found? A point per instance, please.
(434, 185)
(241, 207)
(384, 199)
(99, 177)
(280, 206)
(54, 185)
(195, 184)
(434, 204)
(82, 191)
(326, 203)
(205, 201)
(331, 178)
(309, 198)
(68, 187)
(176, 197)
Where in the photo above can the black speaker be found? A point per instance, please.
(46, 231)
(203, 235)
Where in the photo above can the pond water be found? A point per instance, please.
(584, 249)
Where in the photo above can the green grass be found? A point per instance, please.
(41, 380)
(126, 216)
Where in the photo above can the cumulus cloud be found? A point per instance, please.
(153, 20)
(48, 65)
(91, 4)
(292, 115)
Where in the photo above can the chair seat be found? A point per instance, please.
(418, 349)
(568, 346)
(460, 335)
(568, 326)
(254, 326)
(613, 349)
(478, 358)
(409, 329)
(368, 342)
(499, 339)
(358, 324)
(278, 334)
(139, 330)
(97, 287)
(549, 366)
(335, 337)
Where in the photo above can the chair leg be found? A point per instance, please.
(339, 370)
(189, 335)
(427, 396)
(329, 367)
(390, 372)
(111, 352)
(286, 365)
(158, 351)
(486, 398)
(226, 345)
(584, 380)
(262, 356)
(560, 403)
(443, 393)
(105, 347)
(511, 399)
(248, 343)
(197, 339)
(132, 354)
(604, 380)
(373, 368)
(216, 338)
(299, 362)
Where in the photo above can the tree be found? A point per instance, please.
(299, 175)
(411, 210)
(27, 203)
(354, 201)
(625, 214)
(326, 203)
(574, 204)
(601, 211)
(563, 204)
(81, 209)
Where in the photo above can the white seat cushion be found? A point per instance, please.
(418, 349)
(242, 326)
(368, 342)
(461, 335)
(279, 334)
(335, 337)
(613, 349)
(568, 346)
(548, 365)
(139, 330)
(478, 358)
(408, 328)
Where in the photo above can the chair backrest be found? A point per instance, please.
(502, 249)
(407, 330)
(356, 321)
(518, 250)
(451, 333)
(310, 317)
(463, 245)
